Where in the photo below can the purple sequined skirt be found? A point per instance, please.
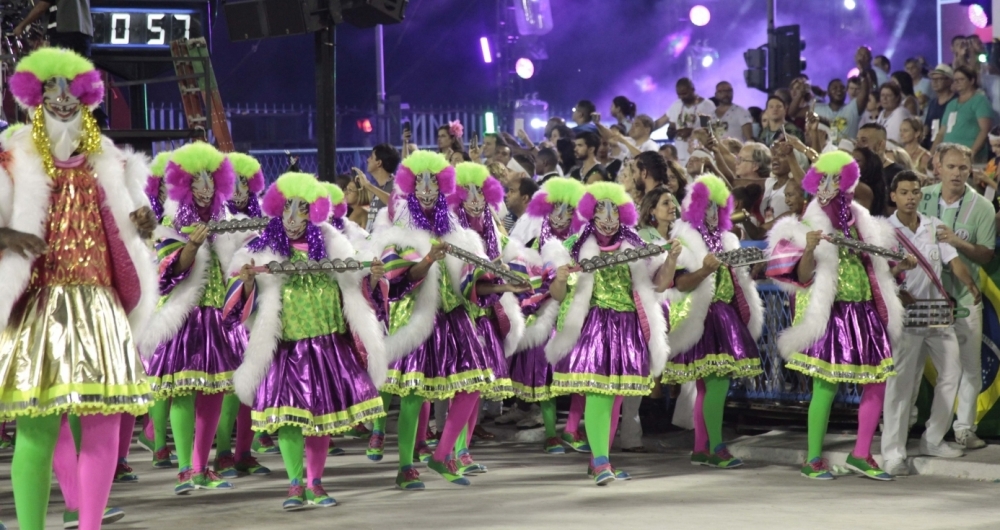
(726, 349)
(318, 384)
(496, 360)
(451, 360)
(531, 375)
(611, 357)
(854, 349)
(201, 357)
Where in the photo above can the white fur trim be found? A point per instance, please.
(265, 330)
(749, 288)
(642, 283)
(564, 341)
(512, 309)
(686, 333)
(6, 197)
(354, 232)
(526, 229)
(466, 240)
(136, 165)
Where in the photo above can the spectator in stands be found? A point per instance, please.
(668, 152)
(657, 213)
(638, 140)
(795, 198)
(701, 162)
(960, 52)
(69, 24)
(941, 94)
(524, 164)
(503, 154)
(843, 117)
(547, 164)
(882, 66)
(911, 132)
(358, 199)
(872, 189)
(518, 195)
(921, 83)
(567, 154)
(748, 199)
(650, 172)
(457, 157)
(872, 136)
(893, 113)
(677, 180)
(611, 164)
(733, 120)
(623, 110)
(967, 119)
(905, 84)
(773, 200)
(382, 165)
(449, 138)
(863, 60)
(776, 126)
(683, 116)
(491, 141)
(583, 115)
(753, 162)
(588, 170)
(557, 131)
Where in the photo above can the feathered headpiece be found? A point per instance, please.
(298, 186)
(337, 199)
(833, 163)
(247, 166)
(192, 159)
(707, 189)
(605, 191)
(426, 162)
(31, 73)
(556, 190)
(156, 171)
(473, 174)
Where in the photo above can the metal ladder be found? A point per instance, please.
(199, 90)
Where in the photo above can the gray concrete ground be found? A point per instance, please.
(528, 489)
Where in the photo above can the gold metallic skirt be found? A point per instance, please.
(69, 349)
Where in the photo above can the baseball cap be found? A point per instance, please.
(943, 69)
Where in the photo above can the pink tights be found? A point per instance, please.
(244, 432)
(316, 452)
(208, 408)
(425, 418)
(576, 405)
(462, 406)
(85, 479)
(125, 432)
(700, 429)
(869, 414)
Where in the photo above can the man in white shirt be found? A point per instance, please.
(731, 121)
(684, 116)
(917, 234)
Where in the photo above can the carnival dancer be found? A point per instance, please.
(538, 237)
(193, 351)
(434, 343)
(156, 188)
(716, 320)
(245, 203)
(72, 258)
(846, 307)
(476, 203)
(304, 371)
(603, 347)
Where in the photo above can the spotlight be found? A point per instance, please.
(700, 15)
(707, 61)
(850, 5)
(484, 43)
(853, 72)
(490, 123)
(977, 15)
(524, 68)
(537, 123)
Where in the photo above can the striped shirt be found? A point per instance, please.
(376, 204)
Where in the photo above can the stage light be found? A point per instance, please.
(977, 15)
(524, 68)
(537, 123)
(491, 127)
(850, 5)
(700, 15)
(365, 125)
(707, 61)
(982, 57)
(484, 43)
(853, 72)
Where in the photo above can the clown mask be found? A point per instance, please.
(63, 118)
(295, 218)
(427, 191)
(475, 202)
(560, 217)
(242, 193)
(606, 218)
(828, 189)
(712, 216)
(203, 189)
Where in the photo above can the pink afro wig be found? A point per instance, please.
(88, 87)
(492, 192)
(339, 211)
(627, 214)
(696, 204)
(153, 186)
(539, 205)
(256, 183)
(850, 174)
(179, 183)
(26, 88)
(407, 180)
(274, 205)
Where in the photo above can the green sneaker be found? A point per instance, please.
(423, 452)
(163, 459)
(263, 444)
(6, 442)
(817, 469)
(699, 459)
(358, 432)
(576, 442)
(317, 496)
(145, 442)
(248, 465)
(867, 467)
(723, 459)
(409, 479)
(376, 446)
(468, 466)
(210, 480)
(72, 519)
(185, 482)
(124, 473)
(553, 446)
(296, 499)
(449, 470)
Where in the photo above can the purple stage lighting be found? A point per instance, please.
(700, 15)
(524, 68)
(978, 16)
(484, 43)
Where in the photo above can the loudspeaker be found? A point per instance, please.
(369, 13)
(258, 19)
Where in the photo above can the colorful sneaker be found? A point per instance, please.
(185, 482)
(468, 466)
(358, 432)
(621, 475)
(431, 438)
(553, 446)
(376, 446)
(72, 519)
(163, 459)
(335, 451)
(263, 444)
(3, 526)
(296, 497)
(225, 465)
(576, 442)
(723, 459)
(123, 473)
(449, 470)
(145, 442)
(249, 465)
(6, 442)
(602, 471)
(423, 452)
(699, 459)
(210, 480)
(867, 467)
(316, 496)
(817, 469)
(409, 479)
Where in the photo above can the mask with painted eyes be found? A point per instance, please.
(606, 218)
(475, 202)
(58, 102)
(427, 191)
(242, 193)
(203, 189)
(295, 218)
(829, 188)
(712, 216)
(561, 216)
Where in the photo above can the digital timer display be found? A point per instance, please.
(144, 28)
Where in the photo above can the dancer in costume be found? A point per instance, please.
(476, 201)
(72, 258)
(716, 319)
(846, 307)
(434, 343)
(156, 188)
(304, 370)
(194, 350)
(603, 347)
(542, 232)
(244, 203)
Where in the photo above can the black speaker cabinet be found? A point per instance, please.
(368, 13)
(258, 19)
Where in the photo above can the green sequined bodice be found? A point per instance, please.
(852, 279)
(613, 289)
(310, 304)
(724, 287)
(215, 285)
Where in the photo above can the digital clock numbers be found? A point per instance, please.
(141, 28)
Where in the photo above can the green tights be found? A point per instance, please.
(819, 414)
(598, 413)
(30, 471)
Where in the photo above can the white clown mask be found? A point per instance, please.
(203, 189)
(63, 117)
(712, 216)
(242, 192)
(606, 218)
(295, 218)
(427, 191)
(828, 189)
(561, 216)
(475, 202)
